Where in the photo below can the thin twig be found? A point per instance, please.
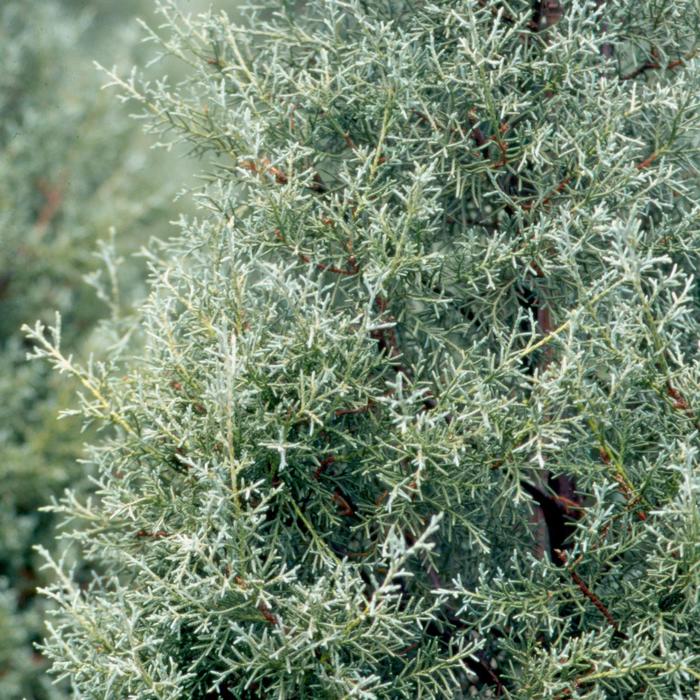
(590, 595)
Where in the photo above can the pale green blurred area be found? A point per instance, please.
(73, 167)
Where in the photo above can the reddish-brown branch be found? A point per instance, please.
(503, 148)
(653, 64)
(330, 268)
(546, 327)
(280, 177)
(265, 167)
(569, 506)
(632, 500)
(680, 403)
(348, 141)
(482, 141)
(325, 463)
(589, 593)
(648, 65)
(353, 411)
(157, 535)
(268, 614)
(647, 162)
(346, 508)
(410, 647)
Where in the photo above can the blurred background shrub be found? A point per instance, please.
(74, 170)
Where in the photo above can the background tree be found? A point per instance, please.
(416, 407)
(71, 166)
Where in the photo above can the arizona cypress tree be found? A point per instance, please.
(416, 412)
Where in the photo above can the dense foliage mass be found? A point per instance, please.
(416, 413)
(71, 166)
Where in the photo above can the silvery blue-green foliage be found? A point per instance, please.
(71, 166)
(417, 411)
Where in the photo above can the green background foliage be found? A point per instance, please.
(72, 166)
